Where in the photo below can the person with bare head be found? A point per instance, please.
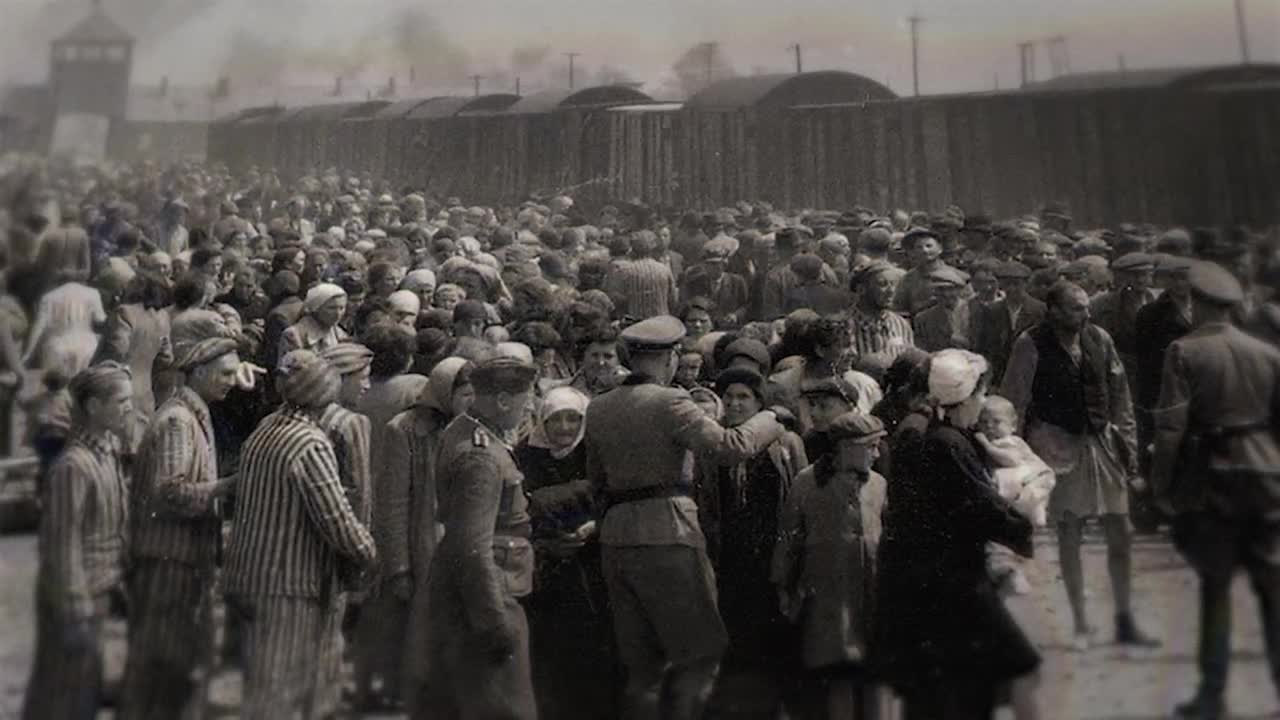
(1068, 383)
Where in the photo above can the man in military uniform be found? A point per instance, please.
(478, 664)
(1217, 466)
(660, 583)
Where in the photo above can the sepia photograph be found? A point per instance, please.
(639, 360)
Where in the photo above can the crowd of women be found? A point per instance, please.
(200, 357)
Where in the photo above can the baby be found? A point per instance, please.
(1021, 477)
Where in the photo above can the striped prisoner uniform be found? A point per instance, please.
(645, 287)
(294, 530)
(884, 332)
(349, 433)
(175, 546)
(83, 535)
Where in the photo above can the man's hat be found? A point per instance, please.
(947, 276)
(657, 333)
(1013, 270)
(863, 429)
(915, 234)
(503, 373)
(1211, 282)
(1166, 263)
(1133, 262)
(750, 348)
(871, 270)
(469, 310)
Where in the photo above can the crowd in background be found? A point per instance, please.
(240, 388)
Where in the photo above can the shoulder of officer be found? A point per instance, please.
(479, 437)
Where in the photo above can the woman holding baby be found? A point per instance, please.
(950, 646)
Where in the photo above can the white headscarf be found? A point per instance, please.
(321, 294)
(561, 398)
(954, 375)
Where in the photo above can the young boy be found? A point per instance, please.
(689, 371)
(825, 400)
(823, 564)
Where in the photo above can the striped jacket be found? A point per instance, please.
(645, 288)
(174, 513)
(349, 433)
(886, 332)
(84, 526)
(293, 522)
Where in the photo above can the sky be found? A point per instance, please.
(965, 45)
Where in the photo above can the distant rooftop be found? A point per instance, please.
(1178, 77)
(96, 27)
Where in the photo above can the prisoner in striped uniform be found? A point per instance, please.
(643, 287)
(873, 326)
(349, 433)
(295, 536)
(177, 539)
(83, 533)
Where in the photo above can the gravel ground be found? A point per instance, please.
(1106, 683)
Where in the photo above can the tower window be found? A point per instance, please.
(115, 53)
(91, 52)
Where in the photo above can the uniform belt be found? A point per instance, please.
(652, 492)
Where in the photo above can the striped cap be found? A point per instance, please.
(348, 357)
(307, 380)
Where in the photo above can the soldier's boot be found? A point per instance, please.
(1201, 707)
(690, 688)
(1128, 633)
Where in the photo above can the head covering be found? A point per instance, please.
(320, 295)
(405, 301)
(705, 394)
(503, 373)
(444, 379)
(954, 375)
(469, 310)
(348, 357)
(741, 376)
(418, 279)
(517, 350)
(557, 400)
(947, 277)
(751, 348)
(1214, 284)
(305, 379)
(1133, 262)
(858, 427)
(657, 333)
(191, 354)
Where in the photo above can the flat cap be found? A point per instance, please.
(751, 348)
(915, 234)
(656, 333)
(834, 385)
(872, 269)
(1133, 262)
(1211, 282)
(1074, 269)
(717, 250)
(863, 429)
(503, 373)
(1167, 263)
(947, 276)
(806, 266)
(1013, 270)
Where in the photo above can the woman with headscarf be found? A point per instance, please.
(412, 442)
(82, 548)
(323, 308)
(949, 645)
(739, 509)
(570, 630)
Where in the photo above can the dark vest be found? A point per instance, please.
(1074, 397)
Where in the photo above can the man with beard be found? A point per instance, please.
(1066, 379)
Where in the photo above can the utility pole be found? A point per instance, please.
(799, 61)
(1027, 60)
(571, 56)
(711, 57)
(1120, 63)
(475, 83)
(915, 52)
(517, 85)
(1242, 32)
(995, 79)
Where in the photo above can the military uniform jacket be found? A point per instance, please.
(485, 557)
(1224, 385)
(638, 436)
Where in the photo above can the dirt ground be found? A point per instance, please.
(1106, 683)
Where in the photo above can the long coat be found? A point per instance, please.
(947, 626)
(994, 331)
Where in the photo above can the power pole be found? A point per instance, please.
(995, 78)
(711, 56)
(475, 83)
(571, 56)
(799, 61)
(915, 52)
(1242, 32)
(1027, 60)
(517, 85)
(1120, 63)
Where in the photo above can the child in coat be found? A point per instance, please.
(824, 562)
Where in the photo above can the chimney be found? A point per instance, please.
(337, 86)
(391, 86)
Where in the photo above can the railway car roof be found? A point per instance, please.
(552, 100)
(1189, 78)
(788, 90)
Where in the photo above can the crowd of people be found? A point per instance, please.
(382, 451)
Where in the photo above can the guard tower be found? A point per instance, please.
(90, 67)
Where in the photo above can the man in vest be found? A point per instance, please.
(1067, 381)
